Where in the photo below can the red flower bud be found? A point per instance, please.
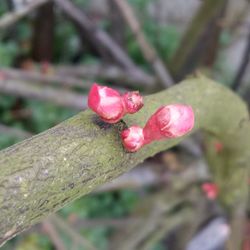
(133, 101)
(167, 122)
(110, 105)
(211, 190)
(133, 138)
(218, 147)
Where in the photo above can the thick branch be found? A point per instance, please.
(43, 173)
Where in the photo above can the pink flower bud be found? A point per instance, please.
(211, 190)
(133, 101)
(167, 122)
(132, 138)
(110, 105)
(218, 147)
(171, 121)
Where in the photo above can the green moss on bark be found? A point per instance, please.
(42, 174)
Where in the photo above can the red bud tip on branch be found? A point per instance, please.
(110, 105)
(167, 122)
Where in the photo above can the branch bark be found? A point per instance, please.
(44, 173)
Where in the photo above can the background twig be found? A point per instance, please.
(10, 18)
(148, 51)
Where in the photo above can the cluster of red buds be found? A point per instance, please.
(110, 105)
(167, 122)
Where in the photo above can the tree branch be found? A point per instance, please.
(42, 174)
(148, 51)
(35, 91)
(99, 36)
(20, 134)
(243, 66)
(51, 231)
(108, 73)
(65, 80)
(77, 237)
(198, 39)
(12, 17)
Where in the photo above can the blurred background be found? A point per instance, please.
(50, 54)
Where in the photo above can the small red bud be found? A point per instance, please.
(133, 101)
(167, 122)
(133, 138)
(110, 105)
(211, 190)
(218, 147)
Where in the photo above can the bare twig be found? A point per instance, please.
(18, 133)
(108, 73)
(11, 17)
(142, 176)
(99, 36)
(148, 51)
(115, 223)
(78, 238)
(43, 33)
(53, 235)
(243, 66)
(200, 41)
(35, 91)
(65, 80)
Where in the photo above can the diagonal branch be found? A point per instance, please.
(12, 17)
(237, 81)
(98, 36)
(148, 51)
(52, 233)
(44, 173)
(69, 230)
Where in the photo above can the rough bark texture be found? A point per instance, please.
(42, 174)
